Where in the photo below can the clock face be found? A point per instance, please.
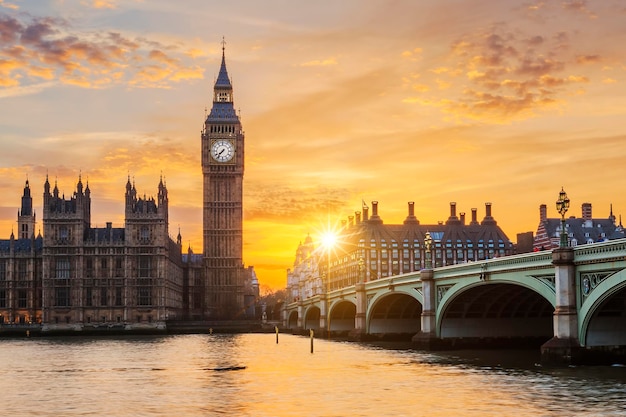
(222, 150)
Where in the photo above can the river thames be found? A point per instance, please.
(252, 375)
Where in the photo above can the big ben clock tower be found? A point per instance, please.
(222, 171)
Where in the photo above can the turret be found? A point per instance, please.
(223, 90)
(26, 216)
(79, 186)
(146, 217)
(162, 199)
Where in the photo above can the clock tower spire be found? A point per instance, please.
(222, 170)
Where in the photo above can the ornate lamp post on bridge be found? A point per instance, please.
(428, 244)
(427, 336)
(564, 347)
(562, 204)
(361, 303)
(361, 265)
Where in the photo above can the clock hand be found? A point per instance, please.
(221, 152)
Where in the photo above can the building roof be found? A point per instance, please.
(223, 81)
(22, 245)
(192, 258)
(223, 111)
(584, 231)
(105, 234)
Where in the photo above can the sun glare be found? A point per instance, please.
(329, 239)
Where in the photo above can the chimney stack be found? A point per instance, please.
(411, 217)
(543, 213)
(474, 217)
(587, 216)
(488, 217)
(587, 211)
(453, 220)
(375, 217)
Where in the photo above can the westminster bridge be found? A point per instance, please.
(571, 301)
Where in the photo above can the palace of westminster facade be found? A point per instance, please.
(78, 277)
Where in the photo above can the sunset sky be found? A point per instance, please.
(431, 101)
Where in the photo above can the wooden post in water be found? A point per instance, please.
(276, 328)
(311, 332)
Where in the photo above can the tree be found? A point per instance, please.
(273, 301)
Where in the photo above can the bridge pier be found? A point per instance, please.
(564, 348)
(427, 338)
(300, 322)
(324, 307)
(359, 332)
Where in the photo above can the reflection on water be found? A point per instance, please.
(251, 375)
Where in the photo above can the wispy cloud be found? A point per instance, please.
(578, 6)
(503, 74)
(320, 63)
(8, 5)
(47, 48)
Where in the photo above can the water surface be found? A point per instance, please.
(251, 375)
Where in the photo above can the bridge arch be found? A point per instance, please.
(603, 314)
(292, 320)
(495, 309)
(342, 316)
(312, 318)
(394, 313)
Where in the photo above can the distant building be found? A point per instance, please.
(130, 276)
(383, 250)
(20, 269)
(580, 231)
(79, 277)
(525, 242)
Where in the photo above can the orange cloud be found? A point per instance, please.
(46, 48)
(578, 6)
(412, 55)
(509, 75)
(103, 4)
(8, 5)
(588, 59)
(320, 63)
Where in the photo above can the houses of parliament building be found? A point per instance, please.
(77, 277)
